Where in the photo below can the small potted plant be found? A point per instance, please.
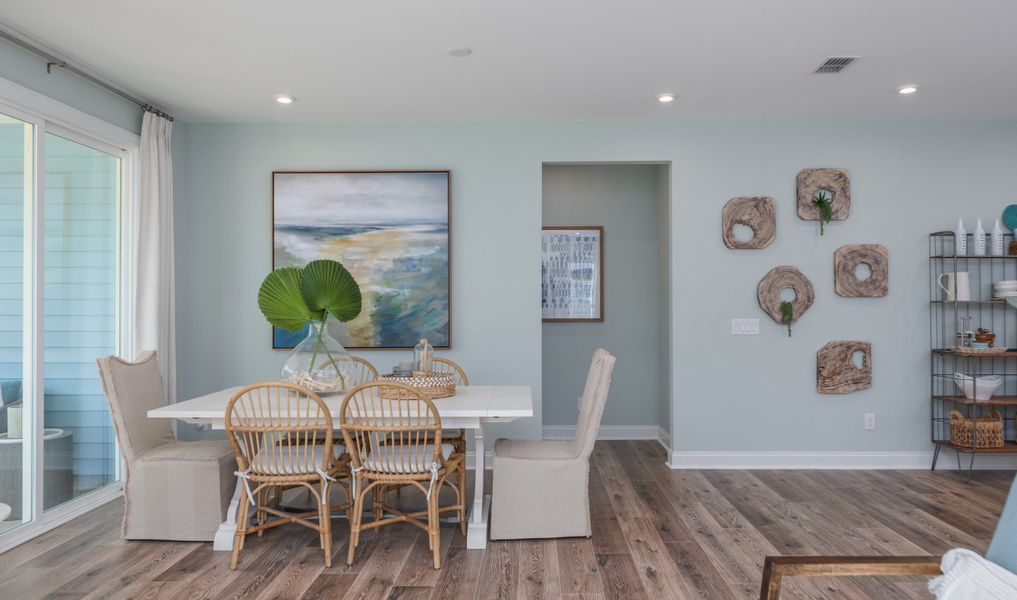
(787, 315)
(294, 299)
(823, 201)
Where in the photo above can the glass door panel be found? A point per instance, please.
(16, 188)
(80, 317)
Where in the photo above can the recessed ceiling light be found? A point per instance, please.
(459, 51)
(284, 99)
(910, 88)
(665, 98)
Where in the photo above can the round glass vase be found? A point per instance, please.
(319, 363)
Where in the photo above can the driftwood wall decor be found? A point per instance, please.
(780, 278)
(834, 181)
(847, 258)
(755, 212)
(836, 372)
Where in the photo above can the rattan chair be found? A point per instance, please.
(364, 372)
(281, 435)
(393, 435)
(444, 365)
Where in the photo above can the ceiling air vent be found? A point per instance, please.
(835, 64)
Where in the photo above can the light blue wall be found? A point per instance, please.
(731, 394)
(625, 200)
(29, 70)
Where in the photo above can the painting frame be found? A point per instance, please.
(601, 304)
(448, 222)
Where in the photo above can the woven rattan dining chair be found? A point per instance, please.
(363, 372)
(393, 435)
(281, 435)
(444, 365)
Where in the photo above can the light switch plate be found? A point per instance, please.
(744, 326)
(870, 421)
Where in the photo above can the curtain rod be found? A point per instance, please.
(53, 61)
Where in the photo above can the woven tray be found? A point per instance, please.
(433, 385)
(983, 432)
(962, 350)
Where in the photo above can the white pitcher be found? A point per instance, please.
(958, 286)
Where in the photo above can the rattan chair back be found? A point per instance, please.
(391, 428)
(279, 430)
(444, 365)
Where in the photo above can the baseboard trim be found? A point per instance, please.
(830, 460)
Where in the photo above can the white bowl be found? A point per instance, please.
(984, 385)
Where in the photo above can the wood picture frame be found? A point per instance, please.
(442, 338)
(572, 274)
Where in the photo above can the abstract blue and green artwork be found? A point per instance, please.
(391, 230)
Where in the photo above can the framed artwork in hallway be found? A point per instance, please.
(572, 274)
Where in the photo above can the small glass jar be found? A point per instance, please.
(319, 363)
(422, 357)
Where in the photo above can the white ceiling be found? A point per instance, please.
(225, 60)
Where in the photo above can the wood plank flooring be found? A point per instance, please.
(657, 533)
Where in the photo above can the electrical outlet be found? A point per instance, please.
(744, 326)
(870, 421)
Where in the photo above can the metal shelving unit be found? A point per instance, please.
(945, 323)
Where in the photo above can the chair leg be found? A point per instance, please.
(358, 511)
(262, 499)
(238, 537)
(461, 485)
(325, 522)
(379, 496)
(433, 531)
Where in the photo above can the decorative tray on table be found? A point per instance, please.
(434, 385)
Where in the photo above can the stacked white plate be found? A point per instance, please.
(1005, 289)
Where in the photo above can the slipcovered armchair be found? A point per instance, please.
(172, 490)
(965, 575)
(541, 487)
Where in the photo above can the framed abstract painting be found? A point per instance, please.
(391, 230)
(572, 274)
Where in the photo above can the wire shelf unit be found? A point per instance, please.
(947, 318)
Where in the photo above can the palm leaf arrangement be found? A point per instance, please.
(823, 201)
(291, 298)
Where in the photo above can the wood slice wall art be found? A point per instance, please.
(780, 278)
(847, 258)
(755, 212)
(836, 372)
(835, 181)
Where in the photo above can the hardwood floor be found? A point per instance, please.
(657, 533)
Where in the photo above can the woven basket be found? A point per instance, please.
(433, 385)
(989, 430)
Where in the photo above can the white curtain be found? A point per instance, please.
(154, 306)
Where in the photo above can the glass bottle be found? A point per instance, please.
(422, 356)
(319, 363)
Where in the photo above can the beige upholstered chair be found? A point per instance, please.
(172, 490)
(393, 436)
(540, 487)
(281, 435)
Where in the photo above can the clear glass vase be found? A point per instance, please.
(319, 363)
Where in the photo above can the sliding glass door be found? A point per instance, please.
(17, 176)
(79, 316)
(60, 219)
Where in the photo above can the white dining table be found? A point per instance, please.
(472, 407)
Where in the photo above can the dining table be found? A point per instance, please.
(472, 407)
